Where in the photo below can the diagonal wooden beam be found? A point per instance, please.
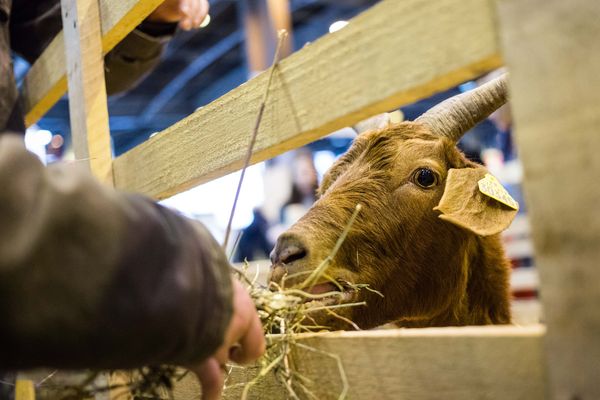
(391, 55)
(46, 81)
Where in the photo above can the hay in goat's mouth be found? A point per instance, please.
(287, 312)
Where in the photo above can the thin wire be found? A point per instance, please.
(46, 378)
(37, 384)
(281, 36)
(235, 245)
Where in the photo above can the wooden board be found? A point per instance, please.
(493, 362)
(24, 389)
(391, 55)
(88, 109)
(46, 81)
(552, 51)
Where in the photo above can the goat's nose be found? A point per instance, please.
(289, 248)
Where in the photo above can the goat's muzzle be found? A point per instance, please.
(287, 257)
(288, 249)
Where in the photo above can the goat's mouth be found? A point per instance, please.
(326, 294)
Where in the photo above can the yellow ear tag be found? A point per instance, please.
(490, 186)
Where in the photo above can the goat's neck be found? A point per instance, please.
(488, 289)
(486, 297)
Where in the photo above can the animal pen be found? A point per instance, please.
(397, 52)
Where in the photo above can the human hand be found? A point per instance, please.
(244, 342)
(189, 13)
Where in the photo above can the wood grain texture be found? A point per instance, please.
(552, 51)
(46, 81)
(88, 109)
(391, 55)
(492, 362)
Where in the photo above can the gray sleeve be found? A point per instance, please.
(132, 59)
(93, 278)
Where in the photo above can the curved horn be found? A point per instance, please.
(456, 115)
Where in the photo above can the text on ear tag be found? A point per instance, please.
(490, 186)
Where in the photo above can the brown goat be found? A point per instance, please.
(426, 237)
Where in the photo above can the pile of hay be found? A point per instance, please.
(286, 312)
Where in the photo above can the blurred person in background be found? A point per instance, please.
(258, 238)
(502, 120)
(253, 243)
(304, 188)
(303, 193)
(492, 147)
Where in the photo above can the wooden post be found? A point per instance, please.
(88, 108)
(552, 49)
(262, 19)
(87, 89)
(24, 388)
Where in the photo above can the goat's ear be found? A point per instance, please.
(464, 202)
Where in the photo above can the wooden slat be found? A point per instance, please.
(393, 54)
(493, 362)
(88, 109)
(24, 388)
(46, 81)
(551, 48)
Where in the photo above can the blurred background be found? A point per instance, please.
(237, 43)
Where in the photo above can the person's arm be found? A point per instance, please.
(33, 25)
(136, 55)
(93, 278)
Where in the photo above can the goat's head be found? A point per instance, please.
(420, 207)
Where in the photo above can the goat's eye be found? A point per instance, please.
(425, 177)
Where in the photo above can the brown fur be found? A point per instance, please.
(431, 272)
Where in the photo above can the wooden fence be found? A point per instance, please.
(395, 53)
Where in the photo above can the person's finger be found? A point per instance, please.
(184, 8)
(194, 13)
(187, 8)
(202, 12)
(185, 24)
(211, 376)
(222, 354)
(252, 343)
